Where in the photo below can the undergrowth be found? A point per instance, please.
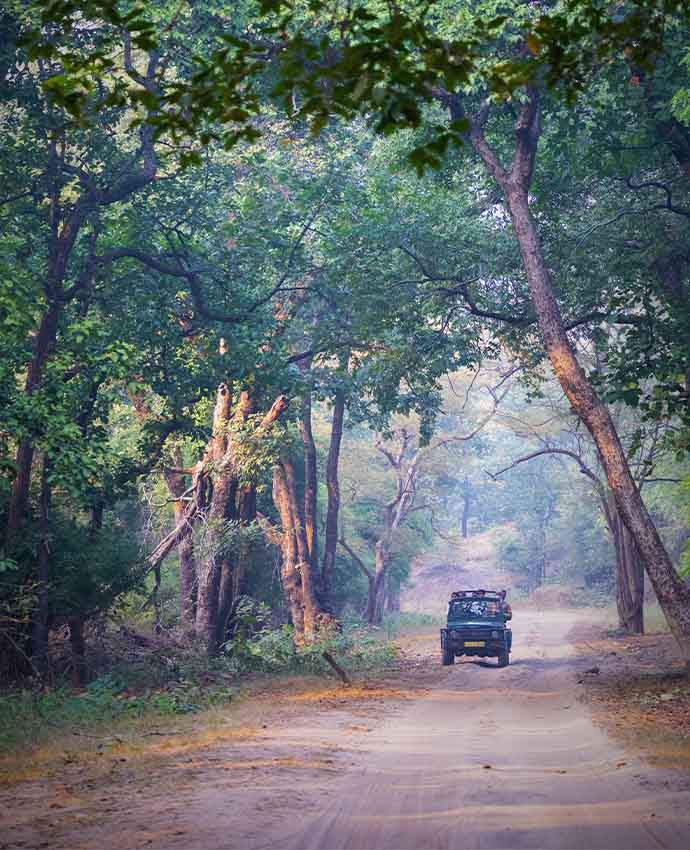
(29, 717)
(405, 621)
(173, 680)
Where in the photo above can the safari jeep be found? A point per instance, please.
(477, 626)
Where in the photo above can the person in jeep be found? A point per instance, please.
(477, 626)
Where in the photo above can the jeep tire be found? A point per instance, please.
(504, 658)
(447, 657)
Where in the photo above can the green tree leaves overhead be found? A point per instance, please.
(323, 59)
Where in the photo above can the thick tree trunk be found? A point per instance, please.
(630, 585)
(296, 572)
(222, 500)
(225, 487)
(215, 570)
(225, 597)
(216, 574)
(380, 604)
(233, 570)
(311, 606)
(290, 575)
(673, 594)
(207, 604)
(331, 536)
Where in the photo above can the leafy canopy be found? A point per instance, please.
(321, 59)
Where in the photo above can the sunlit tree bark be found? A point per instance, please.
(673, 594)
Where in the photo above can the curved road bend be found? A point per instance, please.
(497, 758)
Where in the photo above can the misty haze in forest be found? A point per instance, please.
(312, 315)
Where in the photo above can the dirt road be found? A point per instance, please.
(501, 758)
(470, 756)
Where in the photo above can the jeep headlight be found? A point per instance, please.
(495, 634)
(455, 634)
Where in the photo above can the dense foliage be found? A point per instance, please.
(247, 352)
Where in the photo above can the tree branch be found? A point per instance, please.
(358, 561)
(550, 451)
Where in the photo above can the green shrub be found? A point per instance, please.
(27, 717)
(401, 621)
(274, 650)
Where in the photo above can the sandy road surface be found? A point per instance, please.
(501, 758)
(464, 757)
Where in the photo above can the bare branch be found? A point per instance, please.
(358, 561)
(551, 451)
(482, 147)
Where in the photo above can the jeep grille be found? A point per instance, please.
(472, 634)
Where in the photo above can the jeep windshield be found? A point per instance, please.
(474, 609)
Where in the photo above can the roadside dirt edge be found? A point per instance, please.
(636, 689)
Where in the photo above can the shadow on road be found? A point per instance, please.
(537, 664)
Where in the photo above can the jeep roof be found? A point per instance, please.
(489, 594)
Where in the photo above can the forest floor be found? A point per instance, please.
(636, 689)
(539, 754)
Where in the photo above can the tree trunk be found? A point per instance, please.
(371, 600)
(630, 585)
(215, 570)
(673, 594)
(380, 603)
(312, 609)
(393, 599)
(187, 564)
(296, 573)
(310, 480)
(157, 624)
(43, 345)
(331, 536)
(39, 635)
(188, 582)
(233, 511)
(629, 575)
(76, 639)
(377, 590)
(247, 514)
(222, 503)
(290, 575)
(233, 570)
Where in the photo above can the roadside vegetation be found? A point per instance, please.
(165, 679)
